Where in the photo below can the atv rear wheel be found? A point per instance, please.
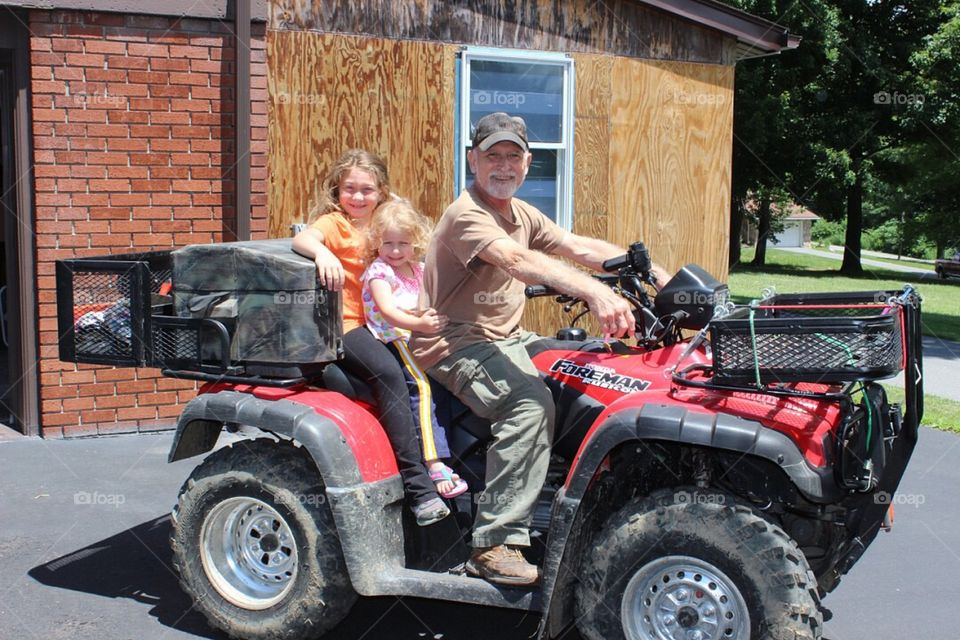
(255, 544)
(692, 565)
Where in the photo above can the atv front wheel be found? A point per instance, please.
(255, 544)
(692, 565)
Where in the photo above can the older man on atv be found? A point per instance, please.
(487, 246)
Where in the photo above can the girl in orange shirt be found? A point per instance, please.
(336, 241)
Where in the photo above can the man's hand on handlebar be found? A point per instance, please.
(613, 313)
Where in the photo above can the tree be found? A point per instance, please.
(927, 165)
(862, 121)
(814, 125)
(772, 156)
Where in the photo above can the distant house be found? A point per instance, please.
(797, 223)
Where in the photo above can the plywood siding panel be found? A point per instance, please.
(591, 148)
(301, 144)
(328, 93)
(621, 27)
(670, 153)
(421, 114)
(591, 143)
(592, 85)
(660, 136)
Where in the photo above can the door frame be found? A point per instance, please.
(22, 318)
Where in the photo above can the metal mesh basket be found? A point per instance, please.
(192, 344)
(810, 338)
(104, 306)
(102, 314)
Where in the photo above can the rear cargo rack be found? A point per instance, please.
(121, 310)
(105, 307)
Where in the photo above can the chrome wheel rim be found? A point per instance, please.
(683, 598)
(248, 553)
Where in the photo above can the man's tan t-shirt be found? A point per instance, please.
(483, 302)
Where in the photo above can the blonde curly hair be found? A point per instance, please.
(398, 213)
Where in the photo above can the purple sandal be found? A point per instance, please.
(446, 475)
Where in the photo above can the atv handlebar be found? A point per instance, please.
(539, 290)
(637, 259)
(626, 275)
(634, 263)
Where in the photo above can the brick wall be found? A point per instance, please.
(133, 151)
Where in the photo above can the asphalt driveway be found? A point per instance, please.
(83, 554)
(941, 368)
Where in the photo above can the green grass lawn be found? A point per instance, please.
(906, 262)
(903, 262)
(938, 412)
(797, 273)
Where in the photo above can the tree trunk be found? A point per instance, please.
(851, 251)
(763, 232)
(736, 224)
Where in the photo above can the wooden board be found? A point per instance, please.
(328, 93)
(653, 155)
(621, 27)
(671, 140)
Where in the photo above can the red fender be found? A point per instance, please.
(357, 422)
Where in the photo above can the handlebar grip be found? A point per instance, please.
(615, 264)
(637, 258)
(538, 290)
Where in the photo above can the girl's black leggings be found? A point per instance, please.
(371, 360)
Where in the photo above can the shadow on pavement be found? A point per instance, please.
(132, 564)
(136, 564)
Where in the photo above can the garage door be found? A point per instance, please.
(791, 236)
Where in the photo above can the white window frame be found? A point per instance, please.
(564, 147)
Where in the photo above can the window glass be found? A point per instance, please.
(538, 87)
(531, 91)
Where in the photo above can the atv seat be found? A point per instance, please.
(336, 378)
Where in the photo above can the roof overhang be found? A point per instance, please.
(755, 36)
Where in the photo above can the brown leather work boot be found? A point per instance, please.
(503, 565)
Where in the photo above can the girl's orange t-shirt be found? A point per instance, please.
(349, 244)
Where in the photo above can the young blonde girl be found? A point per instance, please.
(397, 239)
(336, 241)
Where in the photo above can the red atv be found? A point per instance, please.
(715, 480)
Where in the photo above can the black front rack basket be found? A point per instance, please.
(824, 338)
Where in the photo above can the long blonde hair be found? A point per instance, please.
(399, 214)
(328, 198)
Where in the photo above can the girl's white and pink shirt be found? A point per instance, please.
(406, 296)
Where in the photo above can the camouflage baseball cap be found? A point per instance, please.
(500, 127)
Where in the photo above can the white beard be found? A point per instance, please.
(502, 190)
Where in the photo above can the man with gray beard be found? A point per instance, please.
(487, 246)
